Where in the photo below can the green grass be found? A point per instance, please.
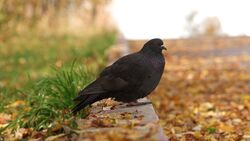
(25, 57)
(7, 96)
(51, 98)
(42, 72)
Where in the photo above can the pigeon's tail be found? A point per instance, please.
(87, 101)
(92, 93)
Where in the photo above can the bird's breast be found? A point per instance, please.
(158, 63)
(153, 78)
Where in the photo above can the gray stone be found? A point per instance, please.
(149, 120)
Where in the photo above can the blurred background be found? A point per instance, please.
(38, 35)
(176, 19)
(206, 77)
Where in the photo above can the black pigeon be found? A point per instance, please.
(131, 77)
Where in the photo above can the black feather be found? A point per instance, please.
(87, 101)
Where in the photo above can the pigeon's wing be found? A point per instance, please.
(131, 69)
(125, 73)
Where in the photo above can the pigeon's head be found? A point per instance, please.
(153, 46)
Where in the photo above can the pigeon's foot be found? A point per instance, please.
(136, 103)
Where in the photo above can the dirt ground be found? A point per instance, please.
(205, 93)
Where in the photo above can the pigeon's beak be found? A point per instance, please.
(163, 47)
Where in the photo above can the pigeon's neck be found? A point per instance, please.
(153, 55)
(156, 60)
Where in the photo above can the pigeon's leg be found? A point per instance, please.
(133, 103)
(136, 103)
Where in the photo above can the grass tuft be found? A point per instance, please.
(51, 99)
